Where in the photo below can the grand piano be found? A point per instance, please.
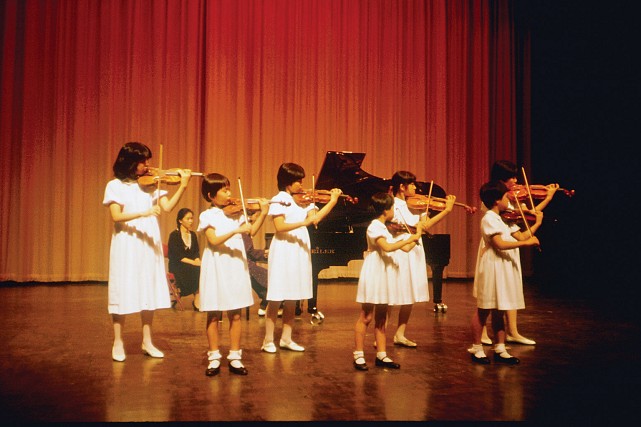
(340, 237)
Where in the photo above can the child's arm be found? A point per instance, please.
(118, 216)
(281, 226)
(405, 245)
(169, 204)
(527, 233)
(449, 205)
(215, 240)
(258, 222)
(551, 190)
(500, 244)
(318, 216)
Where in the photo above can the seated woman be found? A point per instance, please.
(184, 256)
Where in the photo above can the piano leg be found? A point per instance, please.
(437, 288)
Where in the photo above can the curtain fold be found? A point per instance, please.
(238, 87)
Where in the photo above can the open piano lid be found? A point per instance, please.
(342, 169)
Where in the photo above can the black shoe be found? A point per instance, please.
(360, 366)
(507, 360)
(238, 371)
(384, 364)
(210, 372)
(482, 360)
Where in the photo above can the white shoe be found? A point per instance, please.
(521, 340)
(280, 312)
(118, 354)
(269, 348)
(404, 342)
(291, 346)
(152, 351)
(262, 312)
(486, 341)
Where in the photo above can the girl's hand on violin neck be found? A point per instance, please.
(552, 189)
(264, 205)
(335, 194)
(185, 176)
(449, 202)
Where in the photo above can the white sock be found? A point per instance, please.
(477, 350)
(501, 351)
(382, 355)
(234, 356)
(214, 357)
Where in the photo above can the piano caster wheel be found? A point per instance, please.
(316, 318)
(440, 308)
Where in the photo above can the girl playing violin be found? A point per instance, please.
(497, 279)
(506, 172)
(412, 283)
(224, 276)
(378, 281)
(137, 278)
(289, 263)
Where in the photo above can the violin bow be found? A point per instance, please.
(400, 214)
(429, 196)
(314, 195)
(525, 221)
(527, 186)
(160, 168)
(242, 200)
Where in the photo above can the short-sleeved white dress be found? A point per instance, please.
(224, 276)
(137, 277)
(378, 281)
(290, 260)
(413, 285)
(498, 282)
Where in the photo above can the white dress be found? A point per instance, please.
(413, 285)
(224, 276)
(498, 282)
(378, 281)
(137, 277)
(290, 260)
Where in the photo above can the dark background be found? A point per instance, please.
(585, 94)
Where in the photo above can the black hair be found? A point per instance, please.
(212, 183)
(128, 158)
(381, 202)
(491, 192)
(402, 177)
(288, 173)
(181, 215)
(503, 170)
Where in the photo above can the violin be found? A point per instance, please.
(516, 217)
(520, 192)
(420, 202)
(397, 228)
(156, 175)
(235, 206)
(306, 197)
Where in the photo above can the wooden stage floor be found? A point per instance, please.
(55, 364)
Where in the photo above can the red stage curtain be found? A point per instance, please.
(238, 87)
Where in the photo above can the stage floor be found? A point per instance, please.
(56, 364)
